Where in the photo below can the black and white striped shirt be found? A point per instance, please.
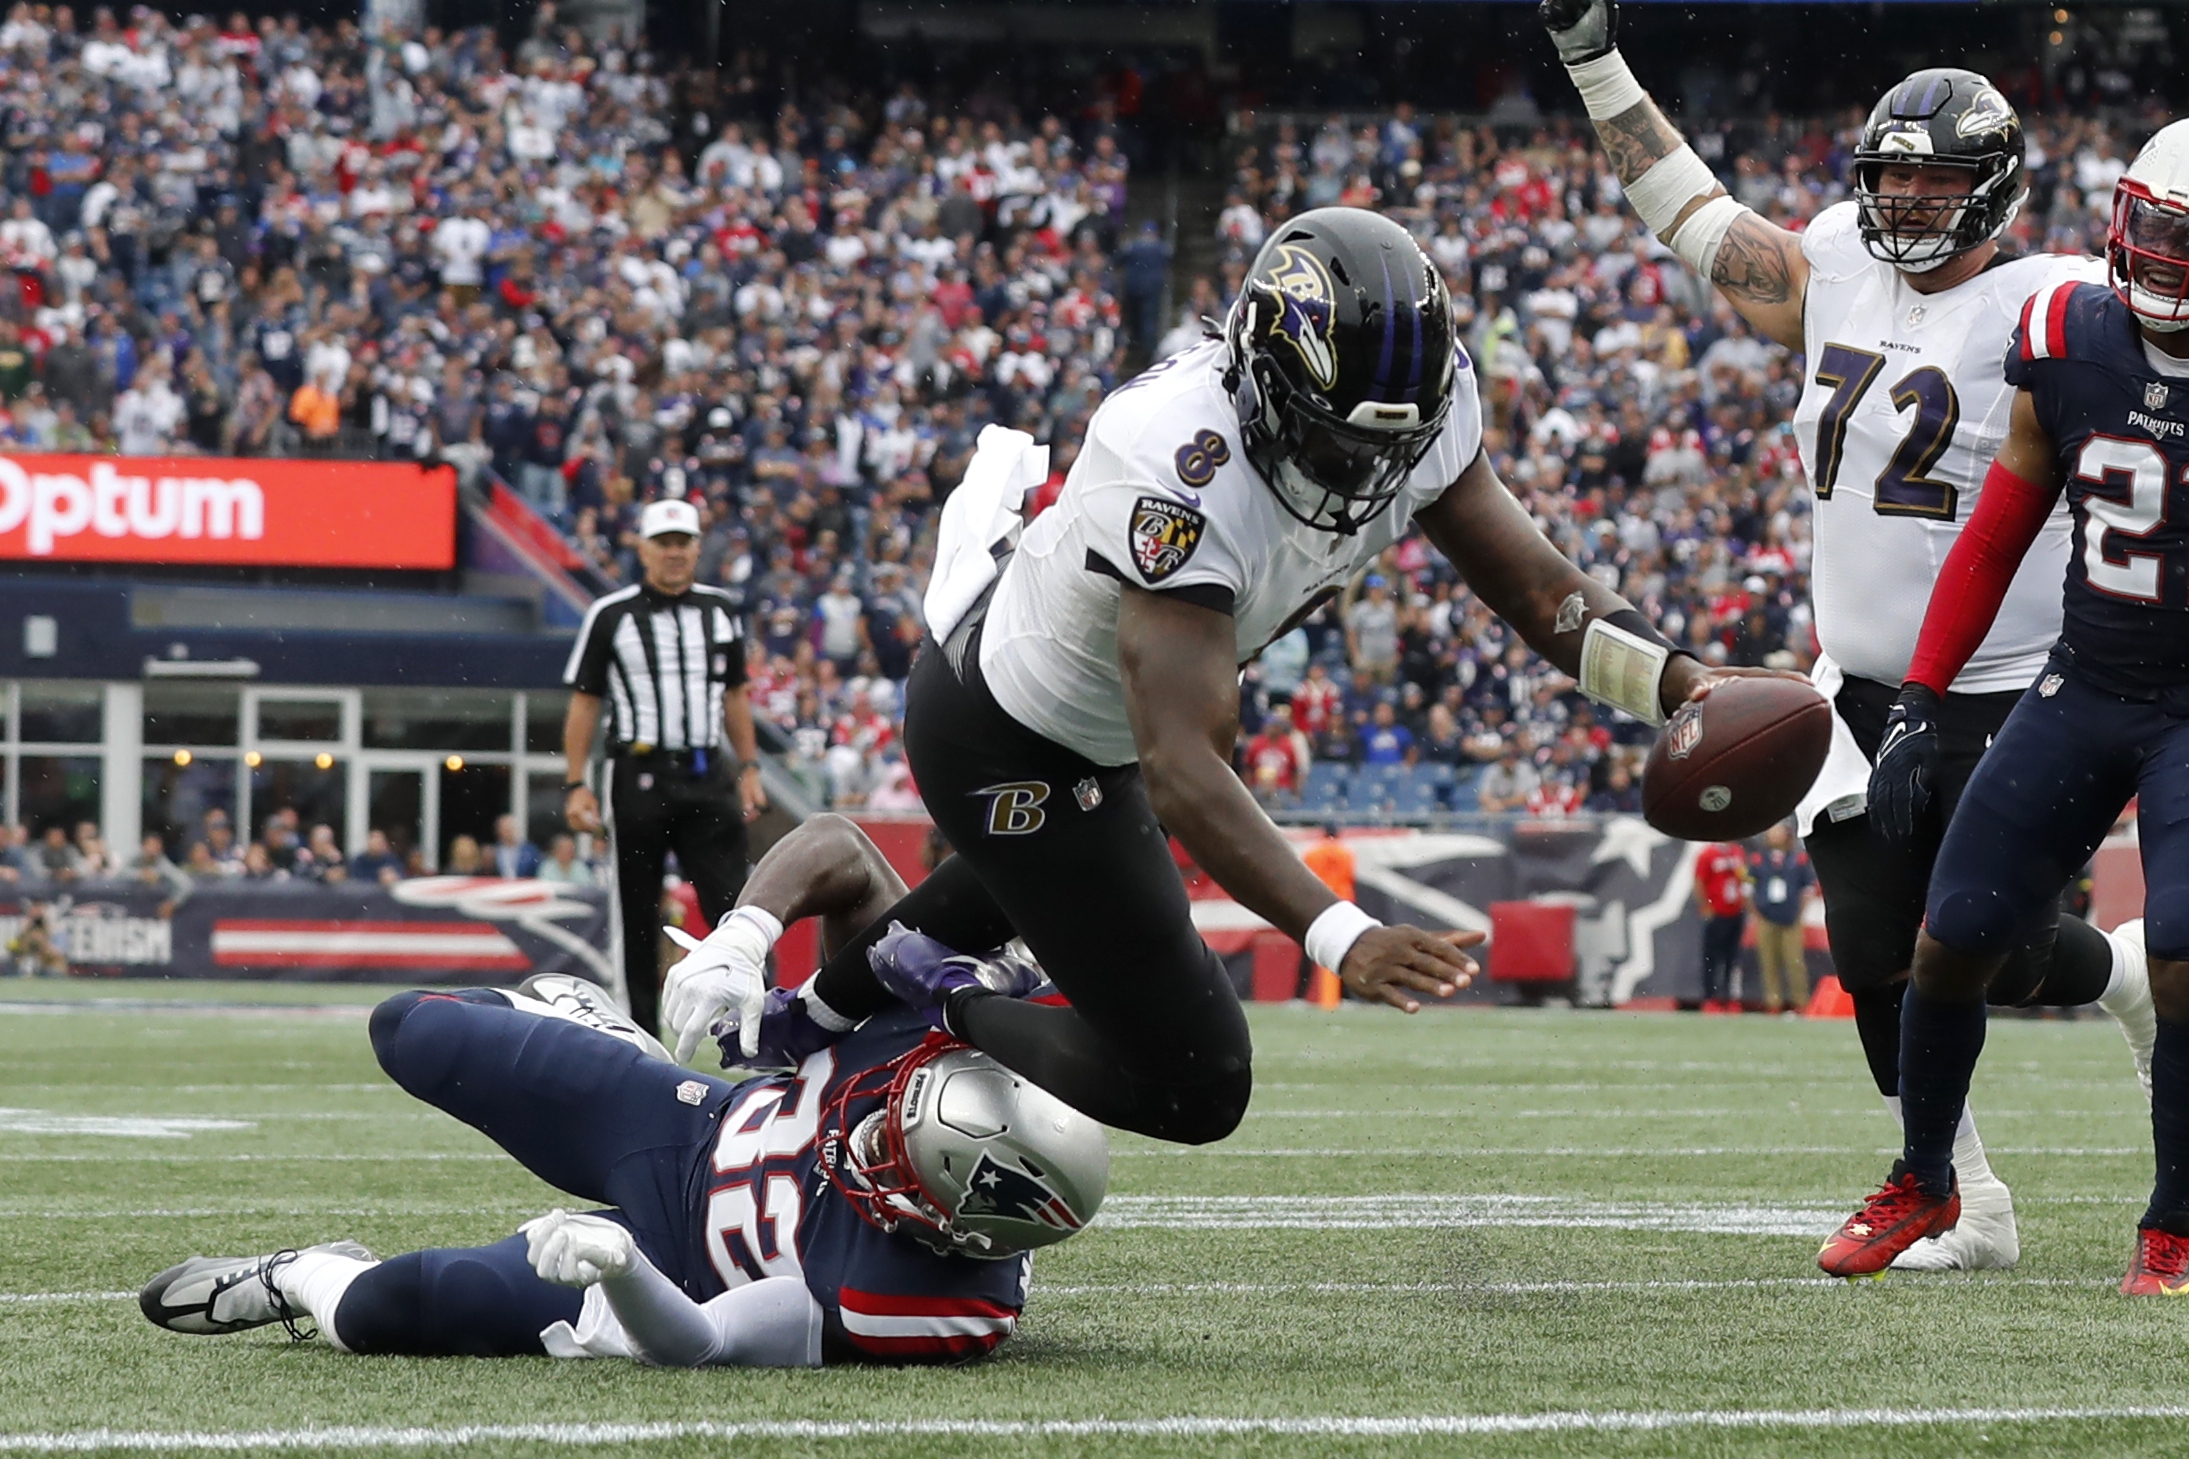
(662, 664)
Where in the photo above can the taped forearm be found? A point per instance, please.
(1672, 190)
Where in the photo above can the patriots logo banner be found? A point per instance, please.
(1164, 534)
(1013, 1195)
(1304, 310)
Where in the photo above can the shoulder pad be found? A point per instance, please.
(2064, 320)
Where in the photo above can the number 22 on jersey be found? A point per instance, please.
(1905, 488)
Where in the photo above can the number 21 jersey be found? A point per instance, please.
(1904, 406)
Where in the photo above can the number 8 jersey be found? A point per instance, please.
(2117, 413)
(1902, 411)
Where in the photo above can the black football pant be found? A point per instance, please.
(1068, 855)
(656, 804)
(1721, 955)
(1874, 891)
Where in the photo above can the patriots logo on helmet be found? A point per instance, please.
(1304, 310)
(1014, 1195)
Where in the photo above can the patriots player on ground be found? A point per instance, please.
(1901, 302)
(875, 1205)
(1077, 705)
(2101, 413)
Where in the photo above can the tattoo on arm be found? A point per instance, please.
(1637, 139)
(1752, 265)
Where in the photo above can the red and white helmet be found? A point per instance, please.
(2147, 248)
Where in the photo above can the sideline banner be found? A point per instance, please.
(442, 930)
(219, 510)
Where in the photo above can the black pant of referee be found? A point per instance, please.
(667, 660)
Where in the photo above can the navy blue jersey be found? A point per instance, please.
(2121, 430)
(769, 1211)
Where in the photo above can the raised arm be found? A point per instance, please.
(1758, 266)
(1180, 667)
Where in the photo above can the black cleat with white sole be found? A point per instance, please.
(210, 1295)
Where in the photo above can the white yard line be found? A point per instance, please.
(1187, 1427)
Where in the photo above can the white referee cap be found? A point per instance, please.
(663, 517)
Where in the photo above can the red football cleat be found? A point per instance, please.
(2161, 1266)
(1896, 1218)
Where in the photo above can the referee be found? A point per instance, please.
(669, 659)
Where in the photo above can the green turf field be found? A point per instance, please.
(1505, 1233)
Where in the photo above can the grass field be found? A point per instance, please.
(1507, 1233)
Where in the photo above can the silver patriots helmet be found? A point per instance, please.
(963, 1154)
(1941, 117)
(1341, 364)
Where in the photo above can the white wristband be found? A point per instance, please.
(1669, 185)
(744, 923)
(1697, 241)
(1332, 935)
(1623, 669)
(1607, 87)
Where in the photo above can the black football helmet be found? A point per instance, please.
(1942, 117)
(1342, 359)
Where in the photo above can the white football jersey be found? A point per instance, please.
(1904, 407)
(1162, 497)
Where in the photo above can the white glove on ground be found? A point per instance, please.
(577, 1251)
(724, 976)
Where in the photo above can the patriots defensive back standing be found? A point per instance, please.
(875, 1204)
(1083, 701)
(2101, 414)
(1901, 303)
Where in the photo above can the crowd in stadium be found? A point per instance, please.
(551, 263)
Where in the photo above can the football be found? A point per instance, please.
(1736, 762)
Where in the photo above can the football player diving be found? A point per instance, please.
(2100, 415)
(1901, 301)
(1079, 705)
(878, 1204)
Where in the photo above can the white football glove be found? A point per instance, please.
(577, 1251)
(725, 976)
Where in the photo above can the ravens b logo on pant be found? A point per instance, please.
(1015, 809)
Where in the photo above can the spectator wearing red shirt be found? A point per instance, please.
(1721, 891)
(1316, 702)
(1276, 759)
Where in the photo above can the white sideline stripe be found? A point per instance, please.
(1369, 1152)
(26, 1299)
(1187, 1427)
(268, 1158)
(140, 1127)
(1514, 1289)
(486, 942)
(1387, 1212)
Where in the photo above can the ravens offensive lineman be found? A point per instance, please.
(2101, 411)
(878, 1204)
(1901, 302)
(1085, 702)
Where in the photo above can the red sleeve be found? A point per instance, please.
(1978, 571)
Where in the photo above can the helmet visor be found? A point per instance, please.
(2150, 258)
(1354, 470)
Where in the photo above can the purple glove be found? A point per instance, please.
(788, 1035)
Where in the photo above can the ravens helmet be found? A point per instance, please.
(963, 1154)
(1942, 117)
(1341, 364)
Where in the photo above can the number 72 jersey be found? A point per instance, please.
(1901, 412)
(2120, 429)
